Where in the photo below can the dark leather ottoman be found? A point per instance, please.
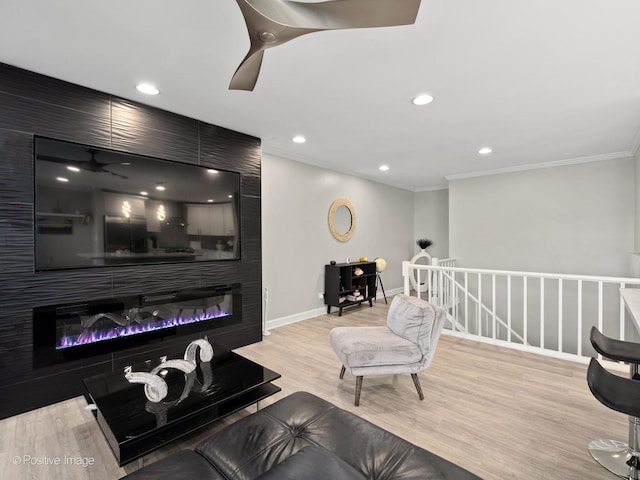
(276, 437)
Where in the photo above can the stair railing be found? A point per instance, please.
(545, 313)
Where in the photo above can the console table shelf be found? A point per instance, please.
(344, 280)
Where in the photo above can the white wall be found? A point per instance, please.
(637, 202)
(431, 220)
(570, 219)
(297, 243)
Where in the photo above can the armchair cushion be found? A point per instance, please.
(413, 319)
(372, 346)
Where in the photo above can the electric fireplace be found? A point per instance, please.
(65, 332)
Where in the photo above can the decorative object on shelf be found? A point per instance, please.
(364, 259)
(155, 387)
(332, 262)
(381, 266)
(423, 243)
(358, 271)
(342, 219)
(355, 296)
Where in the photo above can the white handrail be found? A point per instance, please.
(556, 315)
(634, 281)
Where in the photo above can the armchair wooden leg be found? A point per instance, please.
(358, 390)
(416, 382)
(342, 370)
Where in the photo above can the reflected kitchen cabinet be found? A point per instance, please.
(215, 220)
(229, 219)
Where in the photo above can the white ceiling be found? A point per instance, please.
(538, 81)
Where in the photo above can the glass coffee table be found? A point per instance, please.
(135, 426)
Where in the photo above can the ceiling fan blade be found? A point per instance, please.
(340, 14)
(274, 22)
(247, 73)
(330, 15)
(124, 177)
(66, 161)
(87, 165)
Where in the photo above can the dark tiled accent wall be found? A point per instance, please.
(32, 104)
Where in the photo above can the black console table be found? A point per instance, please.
(134, 426)
(347, 284)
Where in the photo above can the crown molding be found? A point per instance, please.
(536, 166)
(432, 189)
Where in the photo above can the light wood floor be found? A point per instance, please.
(500, 413)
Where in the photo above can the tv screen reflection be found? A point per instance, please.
(97, 207)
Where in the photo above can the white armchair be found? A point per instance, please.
(406, 345)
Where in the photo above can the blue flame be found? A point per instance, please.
(117, 331)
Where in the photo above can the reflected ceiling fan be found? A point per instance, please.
(91, 165)
(274, 22)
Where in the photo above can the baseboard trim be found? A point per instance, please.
(316, 312)
(295, 318)
(530, 349)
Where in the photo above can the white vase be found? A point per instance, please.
(423, 275)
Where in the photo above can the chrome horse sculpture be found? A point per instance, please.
(155, 387)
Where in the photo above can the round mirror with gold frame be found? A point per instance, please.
(342, 219)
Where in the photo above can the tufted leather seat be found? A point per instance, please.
(258, 442)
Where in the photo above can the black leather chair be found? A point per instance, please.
(615, 455)
(618, 350)
(622, 395)
(303, 437)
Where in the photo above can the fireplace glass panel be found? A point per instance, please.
(82, 328)
(71, 331)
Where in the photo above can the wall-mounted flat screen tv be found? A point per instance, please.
(96, 207)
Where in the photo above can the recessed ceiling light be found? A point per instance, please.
(212, 170)
(72, 168)
(299, 139)
(210, 200)
(423, 99)
(147, 88)
(230, 196)
(144, 193)
(383, 168)
(160, 187)
(126, 163)
(485, 151)
(62, 179)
